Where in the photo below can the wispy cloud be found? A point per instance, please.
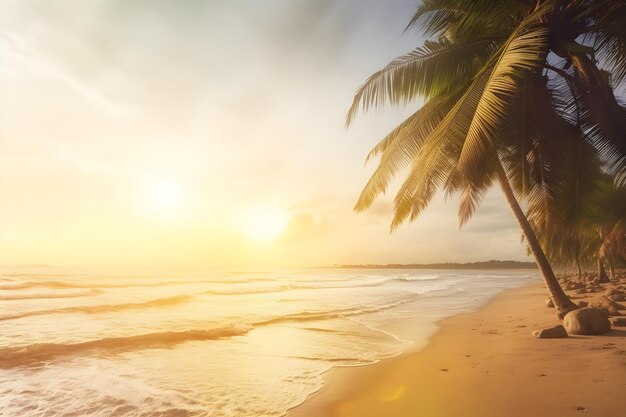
(23, 58)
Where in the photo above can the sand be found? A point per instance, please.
(487, 364)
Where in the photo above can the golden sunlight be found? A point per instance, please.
(163, 197)
(264, 223)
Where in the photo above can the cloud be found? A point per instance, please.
(23, 57)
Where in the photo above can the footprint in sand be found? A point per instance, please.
(604, 347)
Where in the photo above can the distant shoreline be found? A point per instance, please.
(493, 264)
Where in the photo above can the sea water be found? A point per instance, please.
(219, 343)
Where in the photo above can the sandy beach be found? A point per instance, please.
(487, 364)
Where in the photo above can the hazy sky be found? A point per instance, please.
(146, 132)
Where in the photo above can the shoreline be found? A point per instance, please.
(484, 363)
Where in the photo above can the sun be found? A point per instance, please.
(264, 223)
(163, 197)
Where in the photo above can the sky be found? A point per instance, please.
(208, 133)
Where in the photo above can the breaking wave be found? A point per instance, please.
(42, 352)
(49, 295)
(104, 308)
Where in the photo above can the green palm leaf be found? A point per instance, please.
(523, 53)
(426, 71)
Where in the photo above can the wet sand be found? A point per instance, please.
(488, 364)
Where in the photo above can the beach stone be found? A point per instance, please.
(615, 294)
(604, 302)
(549, 302)
(587, 320)
(551, 332)
(619, 321)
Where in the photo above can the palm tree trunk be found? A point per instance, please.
(561, 301)
(611, 268)
(580, 271)
(602, 272)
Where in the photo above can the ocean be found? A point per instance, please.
(222, 343)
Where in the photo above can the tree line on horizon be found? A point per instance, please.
(521, 94)
(491, 264)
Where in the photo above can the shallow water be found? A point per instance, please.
(197, 343)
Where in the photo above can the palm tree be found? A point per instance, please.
(613, 245)
(486, 66)
(585, 221)
(610, 227)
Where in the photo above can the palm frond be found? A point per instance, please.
(523, 53)
(426, 71)
(460, 19)
(399, 147)
(435, 160)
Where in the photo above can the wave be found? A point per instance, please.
(417, 279)
(64, 285)
(335, 314)
(48, 295)
(292, 287)
(43, 352)
(103, 308)
(306, 284)
(345, 360)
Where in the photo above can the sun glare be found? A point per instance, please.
(164, 196)
(264, 223)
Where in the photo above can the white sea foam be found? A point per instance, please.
(196, 344)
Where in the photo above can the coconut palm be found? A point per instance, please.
(486, 63)
(613, 246)
(585, 209)
(558, 174)
(610, 227)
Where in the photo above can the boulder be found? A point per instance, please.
(549, 302)
(615, 294)
(550, 332)
(619, 321)
(583, 304)
(573, 286)
(587, 320)
(604, 302)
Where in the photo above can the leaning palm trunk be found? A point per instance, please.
(602, 272)
(611, 268)
(561, 301)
